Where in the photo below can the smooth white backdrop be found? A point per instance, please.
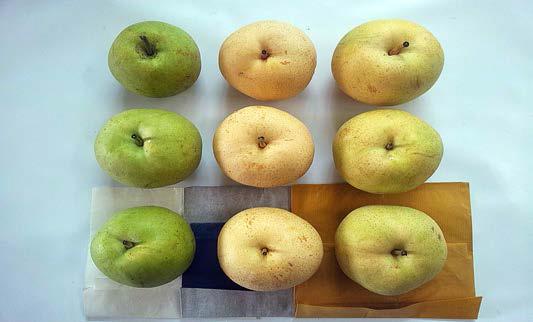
(56, 92)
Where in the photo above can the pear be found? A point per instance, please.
(390, 250)
(263, 147)
(269, 249)
(387, 62)
(144, 246)
(268, 60)
(386, 151)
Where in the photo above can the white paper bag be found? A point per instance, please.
(103, 298)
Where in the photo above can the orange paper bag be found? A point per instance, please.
(329, 293)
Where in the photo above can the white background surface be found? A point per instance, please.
(56, 92)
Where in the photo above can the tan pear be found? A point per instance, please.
(268, 60)
(262, 146)
(387, 62)
(386, 151)
(390, 250)
(268, 249)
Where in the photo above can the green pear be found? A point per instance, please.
(390, 250)
(148, 148)
(154, 59)
(386, 151)
(144, 246)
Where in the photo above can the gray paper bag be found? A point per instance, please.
(218, 204)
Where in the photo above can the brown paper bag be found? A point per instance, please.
(329, 293)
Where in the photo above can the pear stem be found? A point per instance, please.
(389, 146)
(264, 251)
(261, 142)
(148, 47)
(397, 50)
(128, 244)
(137, 139)
(264, 54)
(398, 252)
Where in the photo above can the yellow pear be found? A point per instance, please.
(262, 146)
(387, 62)
(386, 151)
(269, 249)
(268, 60)
(390, 250)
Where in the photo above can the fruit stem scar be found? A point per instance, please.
(389, 146)
(149, 48)
(137, 139)
(264, 54)
(128, 244)
(264, 251)
(398, 252)
(397, 50)
(261, 142)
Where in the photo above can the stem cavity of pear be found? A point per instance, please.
(261, 142)
(264, 54)
(128, 244)
(398, 252)
(389, 146)
(264, 251)
(398, 49)
(137, 139)
(148, 47)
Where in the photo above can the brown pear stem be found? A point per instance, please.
(389, 146)
(137, 139)
(148, 47)
(261, 142)
(398, 49)
(398, 252)
(264, 251)
(264, 54)
(128, 244)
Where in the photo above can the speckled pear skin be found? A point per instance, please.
(363, 160)
(269, 249)
(173, 67)
(171, 151)
(283, 71)
(164, 246)
(366, 238)
(365, 71)
(286, 156)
